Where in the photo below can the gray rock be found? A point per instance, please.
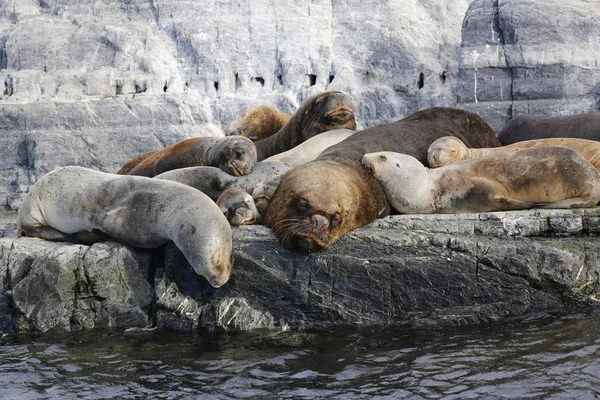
(529, 57)
(422, 270)
(97, 83)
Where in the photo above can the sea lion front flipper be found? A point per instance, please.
(49, 233)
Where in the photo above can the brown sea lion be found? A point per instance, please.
(263, 194)
(450, 149)
(213, 182)
(320, 201)
(529, 127)
(548, 177)
(322, 112)
(233, 154)
(312, 148)
(73, 203)
(259, 122)
(238, 207)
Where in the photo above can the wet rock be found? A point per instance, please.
(422, 270)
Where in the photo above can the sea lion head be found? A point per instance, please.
(318, 202)
(446, 150)
(324, 112)
(258, 123)
(220, 269)
(238, 207)
(236, 155)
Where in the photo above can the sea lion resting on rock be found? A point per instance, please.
(449, 149)
(548, 177)
(322, 200)
(529, 127)
(72, 203)
(213, 182)
(320, 113)
(259, 122)
(235, 155)
(238, 207)
(312, 148)
(263, 194)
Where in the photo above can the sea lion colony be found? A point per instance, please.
(314, 188)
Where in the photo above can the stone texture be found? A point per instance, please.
(422, 270)
(96, 83)
(529, 57)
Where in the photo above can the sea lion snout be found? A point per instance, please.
(320, 223)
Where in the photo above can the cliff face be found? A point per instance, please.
(530, 57)
(96, 83)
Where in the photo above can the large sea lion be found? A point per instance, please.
(312, 148)
(549, 177)
(238, 207)
(529, 127)
(449, 149)
(320, 113)
(235, 155)
(82, 205)
(213, 182)
(259, 122)
(318, 202)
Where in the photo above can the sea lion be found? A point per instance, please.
(529, 127)
(320, 113)
(263, 194)
(82, 205)
(238, 207)
(312, 148)
(212, 181)
(320, 201)
(259, 122)
(235, 155)
(449, 149)
(548, 177)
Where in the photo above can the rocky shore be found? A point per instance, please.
(95, 84)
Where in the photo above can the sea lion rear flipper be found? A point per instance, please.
(49, 233)
(576, 202)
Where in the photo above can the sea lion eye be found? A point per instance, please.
(382, 158)
(336, 219)
(302, 204)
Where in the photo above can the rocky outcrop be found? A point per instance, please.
(422, 270)
(97, 83)
(529, 57)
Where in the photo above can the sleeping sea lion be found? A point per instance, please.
(259, 122)
(238, 207)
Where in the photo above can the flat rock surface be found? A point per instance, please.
(422, 270)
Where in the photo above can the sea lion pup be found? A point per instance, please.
(320, 113)
(320, 201)
(72, 203)
(548, 177)
(449, 149)
(529, 127)
(238, 207)
(259, 122)
(312, 148)
(213, 182)
(235, 155)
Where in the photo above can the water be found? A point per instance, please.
(549, 357)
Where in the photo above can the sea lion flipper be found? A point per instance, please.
(44, 232)
(576, 202)
(502, 202)
(88, 237)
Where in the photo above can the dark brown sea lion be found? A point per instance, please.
(238, 207)
(449, 149)
(322, 200)
(72, 203)
(235, 155)
(259, 122)
(543, 177)
(322, 112)
(213, 182)
(529, 127)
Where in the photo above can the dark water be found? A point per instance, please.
(539, 357)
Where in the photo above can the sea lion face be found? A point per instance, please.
(237, 155)
(327, 111)
(221, 263)
(315, 205)
(238, 207)
(446, 150)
